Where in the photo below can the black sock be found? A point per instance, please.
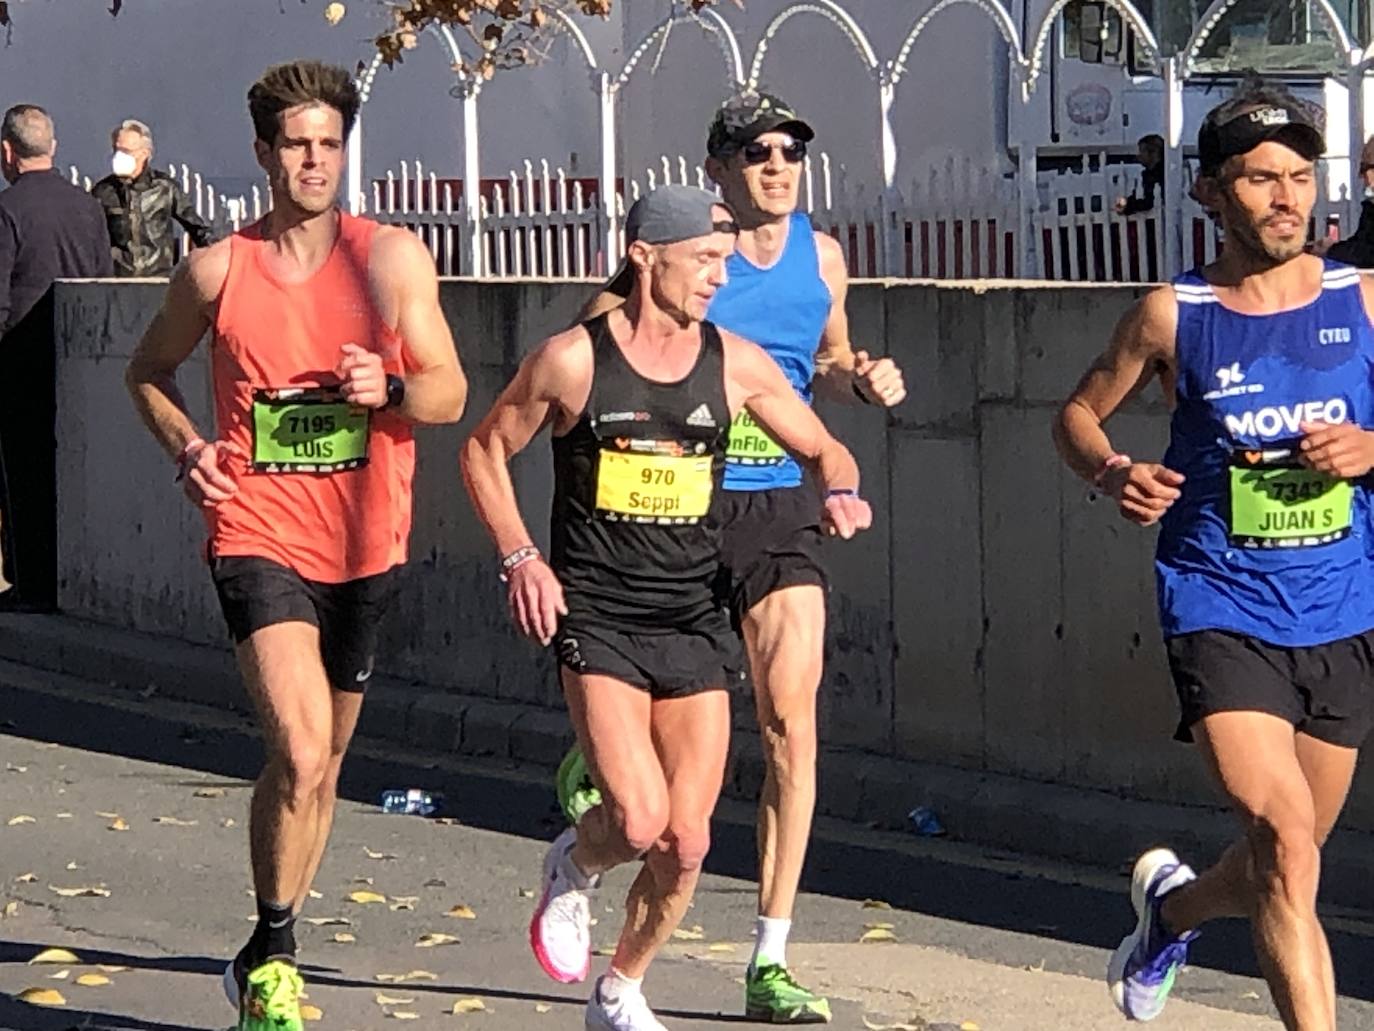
(275, 935)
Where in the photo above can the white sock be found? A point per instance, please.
(615, 986)
(770, 945)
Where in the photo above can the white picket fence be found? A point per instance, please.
(961, 222)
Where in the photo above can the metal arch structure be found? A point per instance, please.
(725, 36)
(1212, 17)
(831, 12)
(1000, 18)
(1035, 60)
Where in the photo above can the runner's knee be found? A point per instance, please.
(1285, 858)
(641, 821)
(790, 742)
(304, 762)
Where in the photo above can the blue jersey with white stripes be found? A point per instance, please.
(1258, 543)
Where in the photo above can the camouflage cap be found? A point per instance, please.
(748, 115)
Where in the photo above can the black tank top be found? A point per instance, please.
(634, 481)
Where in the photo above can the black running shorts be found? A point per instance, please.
(256, 592)
(672, 661)
(771, 539)
(1326, 691)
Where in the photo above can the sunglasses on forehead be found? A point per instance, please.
(759, 153)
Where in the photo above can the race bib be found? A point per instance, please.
(653, 488)
(1278, 504)
(750, 444)
(312, 430)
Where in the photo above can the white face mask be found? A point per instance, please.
(123, 163)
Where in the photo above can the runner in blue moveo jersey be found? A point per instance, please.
(1264, 568)
(785, 291)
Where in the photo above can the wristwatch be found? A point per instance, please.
(395, 391)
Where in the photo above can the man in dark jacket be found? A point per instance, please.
(140, 204)
(49, 229)
(1358, 250)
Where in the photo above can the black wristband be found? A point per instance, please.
(395, 391)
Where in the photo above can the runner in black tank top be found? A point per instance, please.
(639, 402)
(634, 479)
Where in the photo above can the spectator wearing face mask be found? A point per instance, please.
(140, 205)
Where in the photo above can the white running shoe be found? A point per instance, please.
(1142, 970)
(630, 1012)
(560, 932)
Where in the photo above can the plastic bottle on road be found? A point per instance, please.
(411, 801)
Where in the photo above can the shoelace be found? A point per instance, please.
(283, 993)
(774, 975)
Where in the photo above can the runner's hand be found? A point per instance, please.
(879, 381)
(204, 478)
(846, 515)
(536, 600)
(1340, 449)
(1144, 490)
(362, 375)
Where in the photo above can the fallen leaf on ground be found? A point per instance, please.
(462, 912)
(876, 904)
(604, 950)
(54, 956)
(873, 1025)
(92, 980)
(314, 894)
(878, 934)
(344, 938)
(469, 1005)
(26, 878)
(366, 898)
(403, 1015)
(119, 824)
(432, 938)
(1250, 995)
(11, 909)
(327, 921)
(172, 821)
(110, 969)
(227, 822)
(15, 821)
(879, 927)
(209, 793)
(414, 975)
(447, 821)
(685, 934)
(720, 947)
(434, 882)
(542, 1007)
(969, 1025)
(64, 816)
(390, 1000)
(11, 768)
(312, 1013)
(72, 865)
(362, 880)
(81, 893)
(61, 975)
(527, 893)
(42, 997)
(379, 855)
(334, 13)
(108, 816)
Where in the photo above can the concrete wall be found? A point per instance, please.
(996, 619)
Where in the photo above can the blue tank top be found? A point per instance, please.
(783, 309)
(1259, 544)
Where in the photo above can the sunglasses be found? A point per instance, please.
(757, 153)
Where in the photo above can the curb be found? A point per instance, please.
(1050, 820)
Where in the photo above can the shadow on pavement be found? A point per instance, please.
(1049, 911)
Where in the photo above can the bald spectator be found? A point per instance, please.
(49, 229)
(140, 205)
(1358, 249)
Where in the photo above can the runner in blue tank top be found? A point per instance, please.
(1264, 563)
(785, 291)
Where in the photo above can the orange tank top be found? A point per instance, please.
(324, 486)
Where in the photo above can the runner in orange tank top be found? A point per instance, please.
(328, 345)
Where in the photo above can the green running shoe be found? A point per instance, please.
(773, 997)
(271, 999)
(576, 792)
